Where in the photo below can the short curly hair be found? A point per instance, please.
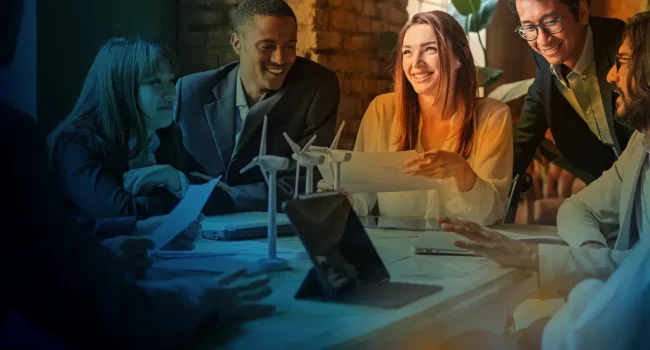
(249, 8)
(573, 5)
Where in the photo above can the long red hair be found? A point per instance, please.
(450, 37)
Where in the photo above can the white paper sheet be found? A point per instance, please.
(377, 172)
(186, 211)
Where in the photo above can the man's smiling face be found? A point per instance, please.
(564, 47)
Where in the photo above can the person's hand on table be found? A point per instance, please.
(493, 245)
(235, 296)
(132, 251)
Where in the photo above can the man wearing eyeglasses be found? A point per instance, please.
(608, 302)
(570, 94)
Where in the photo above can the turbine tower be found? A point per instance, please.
(336, 158)
(270, 165)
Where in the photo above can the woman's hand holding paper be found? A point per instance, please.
(439, 164)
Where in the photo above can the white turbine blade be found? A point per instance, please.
(250, 166)
(294, 146)
(313, 138)
(263, 142)
(335, 143)
(266, 177)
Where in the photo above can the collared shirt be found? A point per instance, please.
(242, 106)
(581, 89)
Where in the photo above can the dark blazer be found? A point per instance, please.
(545, 108)
(92, 182)
(306, 105)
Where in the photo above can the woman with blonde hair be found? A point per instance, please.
(463, 141)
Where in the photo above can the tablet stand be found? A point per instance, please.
(310, 288)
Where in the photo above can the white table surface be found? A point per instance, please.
(476, 294)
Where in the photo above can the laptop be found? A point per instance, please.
(346, 265)
(442, 242)
(439, 243)
(240, 226)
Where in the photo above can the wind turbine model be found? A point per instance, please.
(306, 159)
(270, 165)
(336, 158)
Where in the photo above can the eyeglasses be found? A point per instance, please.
(620, 61)
(551, 25)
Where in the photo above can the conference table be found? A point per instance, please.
(476, 294)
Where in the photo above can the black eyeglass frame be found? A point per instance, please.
(520, 28)
(621, 61)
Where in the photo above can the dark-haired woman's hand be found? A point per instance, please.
(140, 180)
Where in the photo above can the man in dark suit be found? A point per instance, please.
(570, 94)
(221, 111)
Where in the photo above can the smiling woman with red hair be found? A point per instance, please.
(463, 141)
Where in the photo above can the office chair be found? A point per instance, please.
(520, 184)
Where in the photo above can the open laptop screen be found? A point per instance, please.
(335, 240)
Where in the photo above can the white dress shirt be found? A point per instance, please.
(491, 159)
(242, 106)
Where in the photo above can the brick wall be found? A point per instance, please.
(203, 34)
(618, 8)
(354, 38)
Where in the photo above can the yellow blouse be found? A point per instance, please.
(491, 159)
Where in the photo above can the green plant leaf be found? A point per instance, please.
(487, 76)
(511, 91)
(466, 7)
(478, 20)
